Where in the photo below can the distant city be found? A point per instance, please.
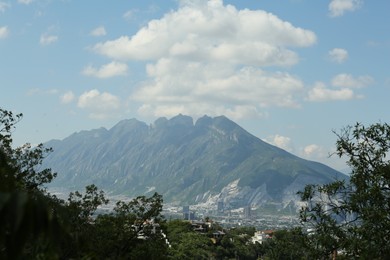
(245, 216)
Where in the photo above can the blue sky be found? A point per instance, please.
(289, 72)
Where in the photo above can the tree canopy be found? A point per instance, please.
(353, 217)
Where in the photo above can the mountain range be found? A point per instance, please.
(211, 160)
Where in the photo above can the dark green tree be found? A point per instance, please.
(237, 244)
(286, 244)
(187, 243)
(191, 245)
(28, 223)
(131, 231)
(353, 217)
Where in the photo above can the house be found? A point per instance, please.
(261, 236)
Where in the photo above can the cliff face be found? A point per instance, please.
(209, 161)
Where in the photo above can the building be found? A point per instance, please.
(247, 212)
(187, 214)
(261, 236)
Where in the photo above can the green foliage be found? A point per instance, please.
(83, 207)
(186, 243)
(142, 207)
(7, 125)
(354, 216)
(287, 244)
(131, 231)
(28, 226)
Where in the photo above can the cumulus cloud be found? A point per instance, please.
(3, 32)
(106, 71)
(99, 31)
(339, 7)
(208, 29)
(347, 80)
(338, 55)
(195, 88)
(47, 39)
(311, 149)
(320, 92)
(67, 98)
(211, 56)
(101, 105)
(280, 141)
(342, 88)
(317, 153)
(4, 6)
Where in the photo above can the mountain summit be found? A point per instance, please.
(211, 160)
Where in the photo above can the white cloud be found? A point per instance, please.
(311, 149)
(321, 93)
(338, 55)
(347, 80)
(106, 71)
(4, 6)
(318, 153)
(101, 105)
(213, 31)
(99, 31)
(323, 154)
(3, 32)
(25, 2)
(339, 7)
(67, 98)
(343, 85)
(209, 56)
(47, 39)
(195, 88)
(280, 141)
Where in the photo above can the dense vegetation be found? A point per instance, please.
(353, 218)
(348, 219)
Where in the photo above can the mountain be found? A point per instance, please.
(206, 162)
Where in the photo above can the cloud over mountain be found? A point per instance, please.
(214, 57)
(101, 105)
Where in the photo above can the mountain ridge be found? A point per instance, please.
(210, 160)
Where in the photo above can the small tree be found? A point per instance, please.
(354, 216)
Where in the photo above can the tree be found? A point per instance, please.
(286, 244)
(191, 245)
(237, 243)
(28, 225)
(353, 217)
(131, 231)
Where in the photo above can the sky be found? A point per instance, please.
(291, 72)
